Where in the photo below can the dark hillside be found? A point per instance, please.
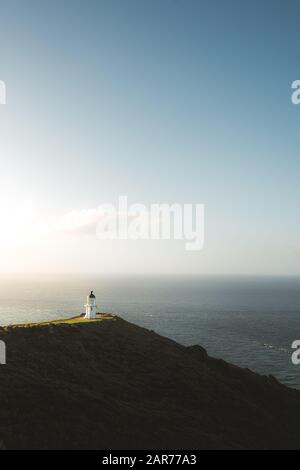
(111, 384)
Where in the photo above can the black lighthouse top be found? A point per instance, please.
(91, 296)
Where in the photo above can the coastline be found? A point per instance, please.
(113, 384)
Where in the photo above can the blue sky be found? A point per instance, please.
(164, 101)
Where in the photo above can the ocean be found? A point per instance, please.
(249, 321)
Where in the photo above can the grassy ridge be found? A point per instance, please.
(63, 321)
(111, 384)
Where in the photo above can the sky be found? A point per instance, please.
(164, 101)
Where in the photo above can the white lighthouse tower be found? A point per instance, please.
(90, 307)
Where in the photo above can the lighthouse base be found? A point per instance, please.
(90, 313)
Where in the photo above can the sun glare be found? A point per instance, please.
(16, 219)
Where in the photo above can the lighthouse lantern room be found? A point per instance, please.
(90, 307)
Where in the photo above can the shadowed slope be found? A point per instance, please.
(112, 384)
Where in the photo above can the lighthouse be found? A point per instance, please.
(90, 306)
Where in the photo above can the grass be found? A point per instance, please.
(63, 321)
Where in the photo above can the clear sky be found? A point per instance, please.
(163, 101)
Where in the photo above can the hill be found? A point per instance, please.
(111, 384)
